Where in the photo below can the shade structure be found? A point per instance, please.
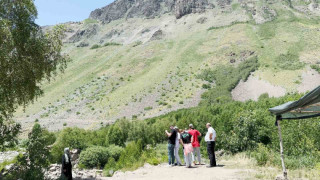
(306, 107)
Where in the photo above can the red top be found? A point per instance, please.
(195, 133)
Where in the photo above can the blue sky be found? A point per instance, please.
(51, 12)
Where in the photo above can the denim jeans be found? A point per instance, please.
(171, 153)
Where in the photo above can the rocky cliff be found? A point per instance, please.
(148, 9)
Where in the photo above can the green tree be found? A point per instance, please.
(116, 136)
(36, 159)
(27, 57)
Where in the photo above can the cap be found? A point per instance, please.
(176, 127)
(191, 125)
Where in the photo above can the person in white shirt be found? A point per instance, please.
(177, 147)
(211, 140)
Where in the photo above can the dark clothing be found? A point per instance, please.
(172, 138)
(171, 153)
(210, 149)
(186, 138)
(66, 170)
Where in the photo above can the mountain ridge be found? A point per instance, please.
(148, 9)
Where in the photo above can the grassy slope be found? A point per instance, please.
(108, 82)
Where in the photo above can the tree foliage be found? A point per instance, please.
(36, 159)
(27, 57)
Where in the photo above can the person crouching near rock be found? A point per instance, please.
(66, 170)
(186, 140)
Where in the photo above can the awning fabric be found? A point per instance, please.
(306, 107)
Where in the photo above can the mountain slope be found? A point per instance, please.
(145, 65)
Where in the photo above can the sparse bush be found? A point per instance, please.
(137, 43)
(148, 108)
(112, 44)
(261, 155)
(289, 61)
(95, 46)
(90, 21)
(206, 86)
(316, 67)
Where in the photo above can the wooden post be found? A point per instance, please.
(281, 151)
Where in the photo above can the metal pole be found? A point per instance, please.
(281, 151)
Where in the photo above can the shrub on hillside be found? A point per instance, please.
(115, 151)
(94, 157)
(95, 46)
(289, 61)
(316, 67)
(112, 44)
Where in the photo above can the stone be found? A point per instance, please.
(157, 35)
(83, 44)
(202, 20)
(280, 177)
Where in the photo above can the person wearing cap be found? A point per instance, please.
(211, 140)
(177, 147)
(171, 144)
(66, 170)
(195, 144)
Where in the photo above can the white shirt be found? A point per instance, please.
(177, 140)
(210, 130)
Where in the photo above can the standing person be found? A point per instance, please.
(186, 140)
(211, 142)
(177, 147)
(66, 170)
(195, 144)
(171, 143)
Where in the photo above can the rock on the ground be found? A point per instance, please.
(8, 155)
(157, 35)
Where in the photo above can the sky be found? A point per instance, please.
(52, 12)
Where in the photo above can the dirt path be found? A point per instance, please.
(165, 172)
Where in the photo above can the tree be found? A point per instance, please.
(27, 57)
(36, 159)
(115, 136)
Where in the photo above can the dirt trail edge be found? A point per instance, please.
(165, 172)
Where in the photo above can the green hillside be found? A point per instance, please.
(128, 70)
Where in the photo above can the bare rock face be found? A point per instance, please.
(148, 9)
(113, 11)
(88, 32)
(183, 7)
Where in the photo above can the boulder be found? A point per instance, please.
(202, 20)
(157, 35)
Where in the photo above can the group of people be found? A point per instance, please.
(189, 140)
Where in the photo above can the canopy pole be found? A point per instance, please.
(281, 150)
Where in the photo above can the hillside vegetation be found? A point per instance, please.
(139, 68)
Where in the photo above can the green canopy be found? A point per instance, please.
(306, 107)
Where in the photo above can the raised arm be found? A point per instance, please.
(168, 134)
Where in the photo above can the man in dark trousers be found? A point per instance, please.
(66, 170)
(211, 140)
(171, 144)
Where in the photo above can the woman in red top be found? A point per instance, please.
(195, 144)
